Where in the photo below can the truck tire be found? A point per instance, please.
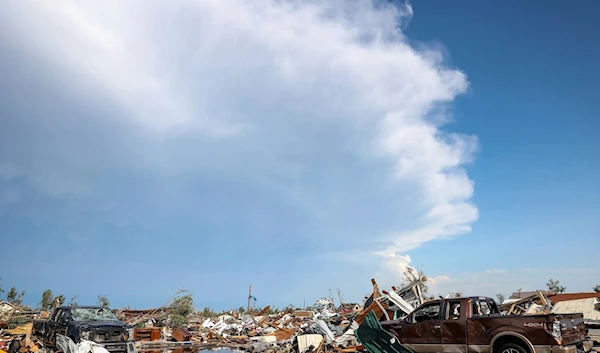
(512, 348)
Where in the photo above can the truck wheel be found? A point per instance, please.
(512, 348)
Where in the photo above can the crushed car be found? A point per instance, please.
(69, 326)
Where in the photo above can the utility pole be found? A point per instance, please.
(249, 297)
(340, 295)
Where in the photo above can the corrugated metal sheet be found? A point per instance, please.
(585, 306)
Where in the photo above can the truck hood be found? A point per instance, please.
(90, 325)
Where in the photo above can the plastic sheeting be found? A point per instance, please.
(89, 347)
(322, 326)
(67, 345)
(348, 337)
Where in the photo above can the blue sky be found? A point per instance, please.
(297, 147)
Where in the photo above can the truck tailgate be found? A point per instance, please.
(572, 328)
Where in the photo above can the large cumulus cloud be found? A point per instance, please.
(318, 109)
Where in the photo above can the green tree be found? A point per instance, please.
(47, 300)
(500, 298)
(208, 312)
(19, 299)
(11, 296)
(597, 288)
(60, 299)
(181, 308)
(554, 286)
(241, 310)
(103, 301)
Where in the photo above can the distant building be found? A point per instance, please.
(350, 307)
(527, 294)
(6, 309)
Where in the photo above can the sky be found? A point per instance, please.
(298, 147)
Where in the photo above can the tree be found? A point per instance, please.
(241, 310)
(72, 301)
(554, 286)
(181, 308)
(208, 312)
(500, 298)
(11, 296)
(1, 290)
(597, 288)
(20, 298)
(47, 300)
(59, 300)
(103, 301)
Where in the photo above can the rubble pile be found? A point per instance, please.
(321, 327)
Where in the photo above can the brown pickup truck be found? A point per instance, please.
(465, 325)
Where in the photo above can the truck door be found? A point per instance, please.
(454, 330)
(52, 326)
(422, 331)
(61, 320)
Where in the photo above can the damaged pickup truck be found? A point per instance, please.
(474, 325)
(70, 325)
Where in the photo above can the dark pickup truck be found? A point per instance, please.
(474, 325)
(69, 325)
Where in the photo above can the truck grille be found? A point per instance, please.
(108, 336)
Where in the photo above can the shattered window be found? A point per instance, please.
(482, 307)
(62, 316)
(93, 314)
(453, 311)
(430, 312)
(57, 314)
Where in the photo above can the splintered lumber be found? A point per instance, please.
(349, 349)
(274, 322)
(263, 311)
(213, 334)
(266, 317)
(283, 334)
(318, 350)
(376, 293)
(377, 307)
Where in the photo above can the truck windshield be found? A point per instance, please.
(93, 314)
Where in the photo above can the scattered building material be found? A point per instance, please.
(180, 334)
(147, 334)
(305, 342)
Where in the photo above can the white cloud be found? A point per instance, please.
(492, 282)
(302, 96)
(496, 270)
